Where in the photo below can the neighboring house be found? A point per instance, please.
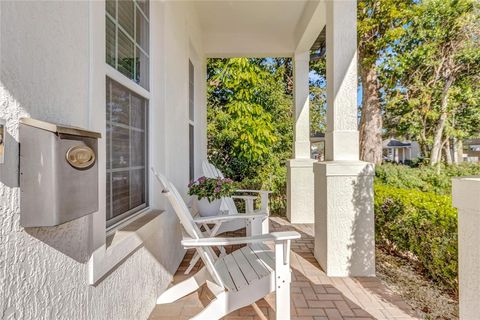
(134, 71)
(471, 150)
(317, 146)
(400, 151)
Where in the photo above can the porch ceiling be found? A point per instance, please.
(258, 28)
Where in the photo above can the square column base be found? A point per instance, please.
(344, 218)
(300, 204)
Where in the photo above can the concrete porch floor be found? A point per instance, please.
(313, 294)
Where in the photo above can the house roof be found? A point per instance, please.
(472, 141)
(394, 143)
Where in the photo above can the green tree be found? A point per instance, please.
(318, 95)
(250, 124)
(380, 24)
(432, 75)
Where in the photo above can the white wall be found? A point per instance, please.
(49, 71)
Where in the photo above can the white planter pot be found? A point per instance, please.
(208, 209)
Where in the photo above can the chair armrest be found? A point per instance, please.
(227, 217)
(254, 191)
(249, 202)
(263, 196)
(244, 197)
(269, 237)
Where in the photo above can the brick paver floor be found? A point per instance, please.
(314, 296)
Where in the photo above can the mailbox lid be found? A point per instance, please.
(60, 129)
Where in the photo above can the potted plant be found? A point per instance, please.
(209, 192)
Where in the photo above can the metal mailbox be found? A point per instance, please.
(58, 173)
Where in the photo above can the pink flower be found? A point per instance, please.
(202, 179)
(217, 189)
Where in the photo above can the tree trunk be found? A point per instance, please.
(448, 151)
(437, 141)
(457, 151)
(371, 122)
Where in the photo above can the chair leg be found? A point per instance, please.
(266, 226)
(255, 226)
(183, 288)
(282, 280)
(193, 262)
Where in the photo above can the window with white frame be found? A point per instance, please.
(191, 119)
(127, 47)
(127, 38)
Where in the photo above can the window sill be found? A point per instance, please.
(121, 243)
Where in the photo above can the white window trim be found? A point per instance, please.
(104, 259)
(119, 77)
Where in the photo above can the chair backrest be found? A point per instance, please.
(210, 171)
(178, 204)
(207, 255)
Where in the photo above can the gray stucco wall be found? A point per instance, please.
(44, 73)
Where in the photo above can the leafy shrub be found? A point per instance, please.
(211, 188)
(424, 178)
(422, 224)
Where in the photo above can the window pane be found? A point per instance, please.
(138, 148)
(108, 145)
(120, 147)
(191, 92)
(126, 49)
(109, 100)
(138, 112)
(109, 198)
(142, 69)
(127, 39)
(191, 133)
(120, 192)
(110, 7)
(144, 5)
(142, 31)
(137, 190)
(120, 104)
(126, 143)
(126, 15)
(110, 42)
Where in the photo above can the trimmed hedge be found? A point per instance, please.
(436, 179)
(420, 223)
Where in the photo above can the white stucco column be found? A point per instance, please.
(466, 198)
(300, 204)
(344, 221)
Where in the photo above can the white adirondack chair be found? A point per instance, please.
(210, 171)
(239, 278)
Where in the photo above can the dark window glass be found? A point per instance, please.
(127, 38)
(191, 91)
(191, 151)
(126, 143)
(110, 42)
(126, 59)
(143, 4)
(191, 116)
(126, 16)
(111, 7)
